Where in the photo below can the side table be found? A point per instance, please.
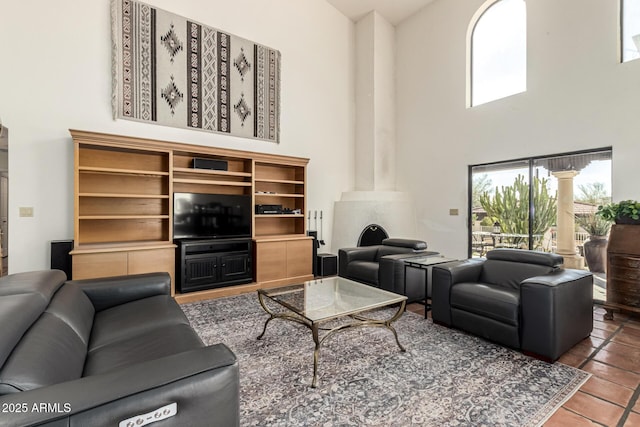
(424, 266)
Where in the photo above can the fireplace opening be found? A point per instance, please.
(373, 234)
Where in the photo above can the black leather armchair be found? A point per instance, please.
(518, 298)
(382, 265)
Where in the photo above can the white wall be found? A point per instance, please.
(56, 75)
(578, 97)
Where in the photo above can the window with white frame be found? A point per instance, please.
(630, 29)
(498, 51)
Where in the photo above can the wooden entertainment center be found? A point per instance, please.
(123, 200)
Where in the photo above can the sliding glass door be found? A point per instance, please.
(535, 203)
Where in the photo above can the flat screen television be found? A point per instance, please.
(211, 216)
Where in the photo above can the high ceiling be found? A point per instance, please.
(394, 11)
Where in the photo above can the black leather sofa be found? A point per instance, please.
(382, 265)
(521, 299)
(97, 352)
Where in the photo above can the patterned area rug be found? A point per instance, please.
(446, 377)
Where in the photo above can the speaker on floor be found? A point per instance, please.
(327, 265)
(60, 257)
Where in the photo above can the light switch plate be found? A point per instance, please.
(26, 211)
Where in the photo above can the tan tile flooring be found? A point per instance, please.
(612, 355)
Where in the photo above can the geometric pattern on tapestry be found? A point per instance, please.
(172, 71)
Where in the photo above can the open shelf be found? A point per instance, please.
(278, 195)
(211, 172)
(280, 181)
(114, 217)
(90, 169)
(206, 182)
(119, 246)
(124, 196)
(279, 215)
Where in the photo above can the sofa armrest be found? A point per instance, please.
(347, 255)
(203, 382)
(443, 277)
(557, 312)
(111, 291)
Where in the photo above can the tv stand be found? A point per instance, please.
(212, 263)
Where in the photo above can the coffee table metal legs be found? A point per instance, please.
(315, 330)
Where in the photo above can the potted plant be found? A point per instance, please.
(624, 212)
(595, 249)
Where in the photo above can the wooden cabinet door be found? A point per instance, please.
(299, 258)
(92, 266)
(151, 261)
(271, 260)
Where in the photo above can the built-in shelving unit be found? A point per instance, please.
(124, 190)
(282, 185)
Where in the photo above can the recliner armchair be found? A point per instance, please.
(382, 265)
(521, 299)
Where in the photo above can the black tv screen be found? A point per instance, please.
(197, 215)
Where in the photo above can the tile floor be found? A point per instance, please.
(612, 356)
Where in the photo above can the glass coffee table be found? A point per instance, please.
(318, 301)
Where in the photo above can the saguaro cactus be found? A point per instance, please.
(510, 206)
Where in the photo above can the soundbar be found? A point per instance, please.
(212, 164)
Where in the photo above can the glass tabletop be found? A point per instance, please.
(428, 260)
(329, 298)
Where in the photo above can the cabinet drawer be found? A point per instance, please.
(624, 261)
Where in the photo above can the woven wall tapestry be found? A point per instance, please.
(172, 71)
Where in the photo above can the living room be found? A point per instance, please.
(578, 97)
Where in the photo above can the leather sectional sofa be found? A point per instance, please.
(97, 352)
(518, 298)
(382, 266)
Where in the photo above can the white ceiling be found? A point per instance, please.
(394, 11)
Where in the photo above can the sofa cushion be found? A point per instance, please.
(510, 274)
(17, 314)
(364, 271)
(147, 345)
(495, 302)
(134, 319)
(50, 352)
(73, 307)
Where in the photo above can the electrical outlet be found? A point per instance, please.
(453, 212)
(26, 211)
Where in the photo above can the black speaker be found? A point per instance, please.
(60, 257)
(219, 165)
(327, 265)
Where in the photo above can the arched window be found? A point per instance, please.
(630, 31)
(498, 51)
